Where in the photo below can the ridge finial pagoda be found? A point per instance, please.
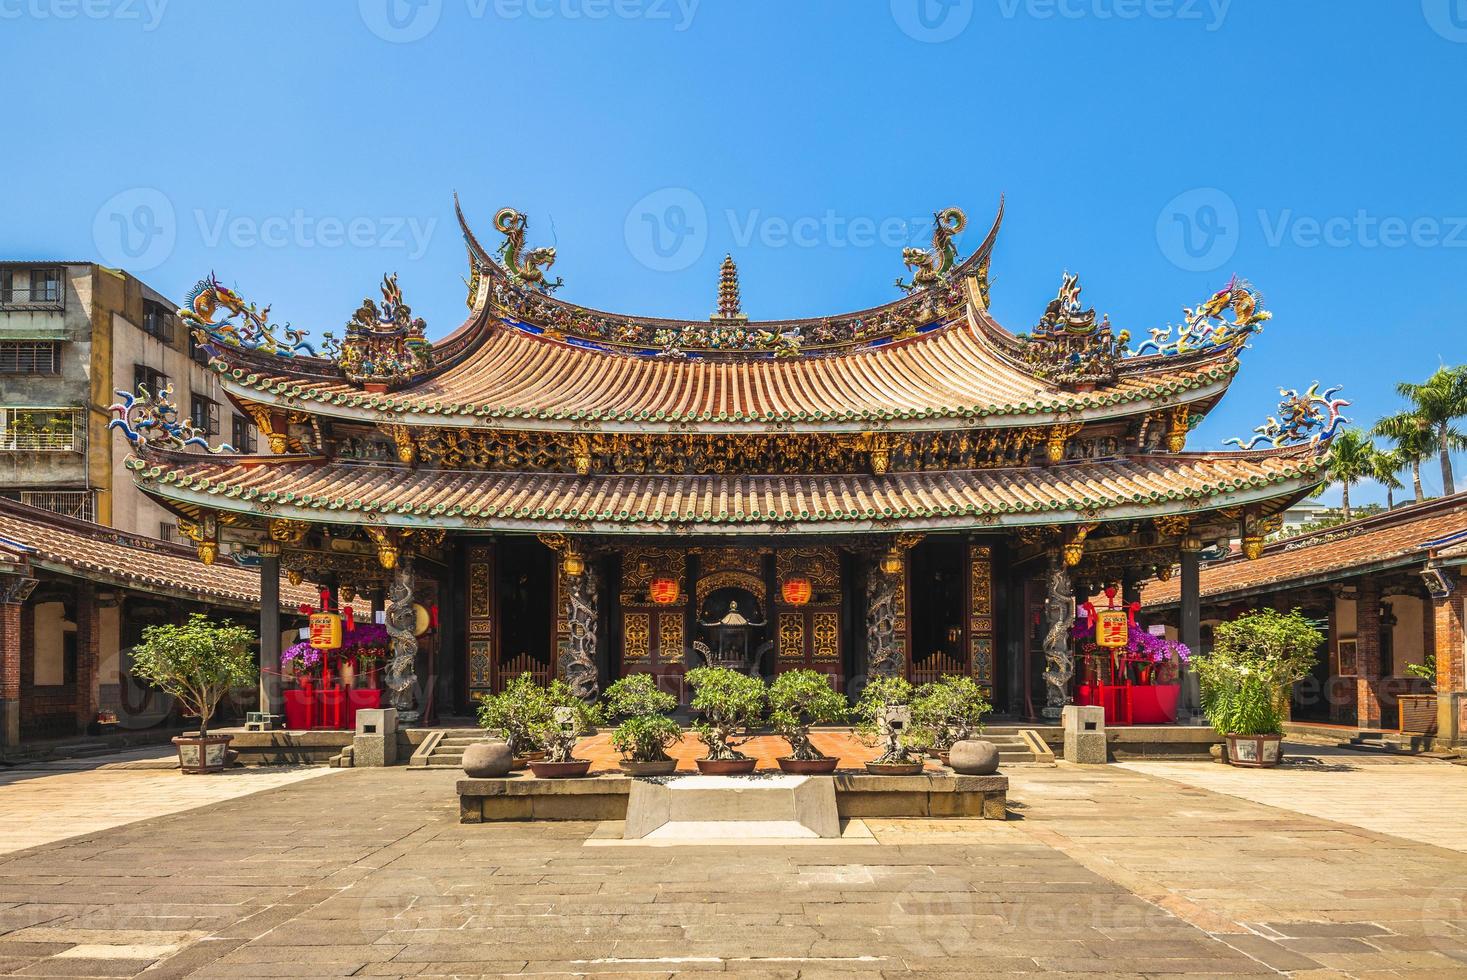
(730, 305)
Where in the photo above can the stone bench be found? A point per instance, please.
(857, 794)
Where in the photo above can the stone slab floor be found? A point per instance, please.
(1108, 871)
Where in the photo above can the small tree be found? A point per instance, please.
(949, 710)
(880, 695)
(728, 701)
(196, 662)
(645, 732)
(516, 713)
(799, 699)
(1254, 662)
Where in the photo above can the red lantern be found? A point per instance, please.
(664, 591)
(796, 591)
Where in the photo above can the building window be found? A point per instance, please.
(205, 413)
(34, 287)
(54, 430)
(151, 378)
(167, 531)
(242, 434)
(30, 357)
(158, 322)
(196, 349)
(81, 504)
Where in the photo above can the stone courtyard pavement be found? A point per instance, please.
(1111, 871)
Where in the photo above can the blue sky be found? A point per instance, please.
(1153, 146)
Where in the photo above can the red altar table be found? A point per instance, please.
(1132, 704)
(329, 708)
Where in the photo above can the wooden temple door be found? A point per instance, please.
(654, 604)
(481, 618)
(807, 612)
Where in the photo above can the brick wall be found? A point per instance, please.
(1367, 648)
(1448, 618)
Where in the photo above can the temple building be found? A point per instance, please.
(905, 490)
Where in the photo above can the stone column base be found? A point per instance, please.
(10, 724)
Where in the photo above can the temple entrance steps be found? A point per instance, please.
(444, 748)
(1014, 748)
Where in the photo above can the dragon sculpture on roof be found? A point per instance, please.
(1207, 327)
(525, 268)
(1313, 416)
(242, 324)
(931, 265)
(152, 420)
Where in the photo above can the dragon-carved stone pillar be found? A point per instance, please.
(402, 671)
(577, 659)
(1059, 616)
(885, 653)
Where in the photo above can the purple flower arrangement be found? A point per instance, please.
(1168, 656)
(304, 659)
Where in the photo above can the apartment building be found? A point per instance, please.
(71, 335)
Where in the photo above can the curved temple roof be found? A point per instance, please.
(359, 493)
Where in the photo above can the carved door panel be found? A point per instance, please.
(652, 632)
(482, 620)
(807, 612)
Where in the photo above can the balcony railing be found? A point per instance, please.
(43, 297)
(41, 430)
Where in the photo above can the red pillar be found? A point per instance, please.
(1367, 650)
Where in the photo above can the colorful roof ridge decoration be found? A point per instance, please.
(386, 346)
(360, 493)
(933, 266)
(146, 419)
(1311, 417)
(241, 324)
(75, 547)
(1399, 537)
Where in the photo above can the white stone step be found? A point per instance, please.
(716, 808)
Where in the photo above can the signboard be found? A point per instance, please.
(325, 631)
(1112, 629)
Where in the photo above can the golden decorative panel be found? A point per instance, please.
(481, 619)
(826, 633)
(639, 566)
(980, 613)
(670, 637)
(481, 669)
(636, 637)
(792, 636)
(820, 565)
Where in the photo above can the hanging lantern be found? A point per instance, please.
(572, 564)
(892, 562)
(796, 591)
(664, 591)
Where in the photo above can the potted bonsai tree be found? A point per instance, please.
(728, 702)
(197, 662)
(885, 713)
(799, 699)
(559, 734)
(517, 713)
(1246, 679)
(948, 711)
(645, 732)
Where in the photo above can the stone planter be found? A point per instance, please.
(726, 767)
(522, 762)
(203, 753)
(808, 767)
(895, 768)
(487, 760)
(561, 770)
(973, 757)
(1255, 751)
(658, 767)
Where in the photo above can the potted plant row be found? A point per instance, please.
(525, 716)
(1246, 680)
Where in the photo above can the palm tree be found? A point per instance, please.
(1384, 465)
(1413, 443)
(1436, 404)
(1350, 453)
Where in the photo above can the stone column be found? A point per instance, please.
(1191, 619)
(577, 660)
(272, 701)
(1449, 621)
(885, 656)
(1367, 652)
(14, 590)
(87, 644)
(402, 669)
(1059, 616)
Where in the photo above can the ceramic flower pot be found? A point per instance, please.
(1255, 751)
(660, 767)
(726, 767)
(973, 757)
(487, 760)
(895, 768)
(808, 767)
(201, 754)
(561, 770)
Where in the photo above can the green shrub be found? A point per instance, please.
(517, 713)
(799, 699)
(880, 694)
(728, 701)
(1254, 662)
(645, 738)
(948, 710)
(637, 695)
(196, 662)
